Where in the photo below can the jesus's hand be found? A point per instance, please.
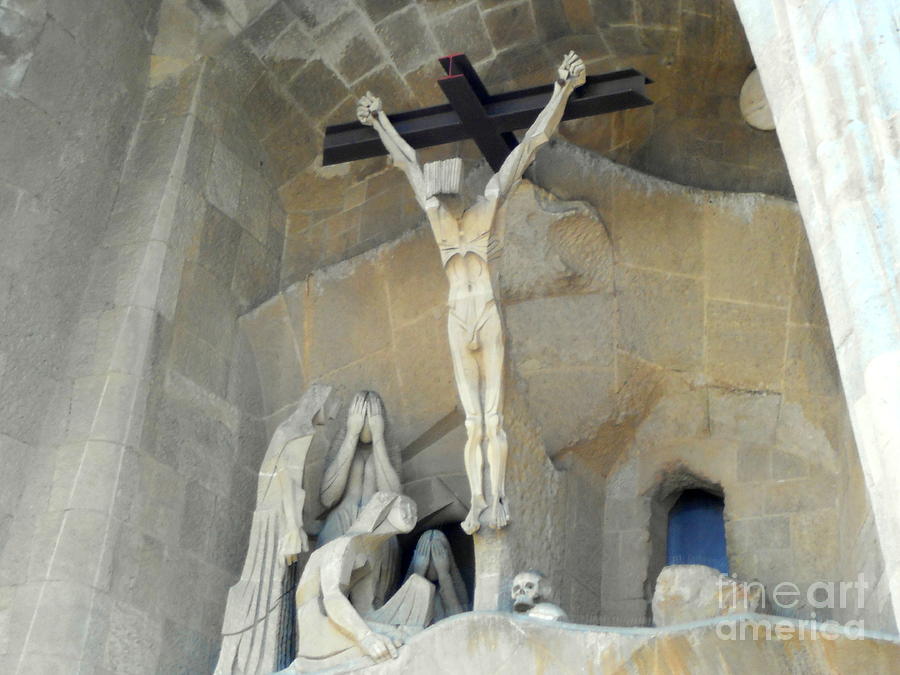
(571, 71)
(367, 108)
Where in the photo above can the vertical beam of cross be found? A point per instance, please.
(468, 97)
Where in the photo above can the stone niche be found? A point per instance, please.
(659, 338)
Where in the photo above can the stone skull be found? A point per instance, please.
(526, 590)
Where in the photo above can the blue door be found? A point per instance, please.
(696, 534)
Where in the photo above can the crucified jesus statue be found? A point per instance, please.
(463, 236)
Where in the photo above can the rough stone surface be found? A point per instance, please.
(601, 407)
(686, 593)
(132, 415)
(70, 94)
(494, 642)
(189, 244)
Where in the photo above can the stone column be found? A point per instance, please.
(63, 612)
(533, 540)
(831, 72)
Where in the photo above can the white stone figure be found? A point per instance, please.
(335, 618)
(463, 236)
(531, 596)
(251, 625)
(433, 560)
(360, 468)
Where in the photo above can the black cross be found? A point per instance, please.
(486, 119)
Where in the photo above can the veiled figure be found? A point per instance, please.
(250, 630)
(361, 467)
(336, 619)
(433, 559)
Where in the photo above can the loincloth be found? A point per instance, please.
(472, 325)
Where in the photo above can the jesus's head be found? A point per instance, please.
(443, 177)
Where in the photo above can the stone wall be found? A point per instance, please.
(319, 58)
(657, 335)
(136, 543)
(202, 439)
(72, 78)
(735, 383)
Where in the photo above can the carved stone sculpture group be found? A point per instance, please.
(347, 601)
(348, 604)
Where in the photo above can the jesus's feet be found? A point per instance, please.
(498, 516)
(472, 523)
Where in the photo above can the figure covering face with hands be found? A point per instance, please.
(433, 560)
(474, 327)
(360, 468)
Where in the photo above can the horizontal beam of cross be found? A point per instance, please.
(441, 124)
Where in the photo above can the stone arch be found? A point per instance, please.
(672, 484)
(365, 49)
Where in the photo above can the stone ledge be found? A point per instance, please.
(489, 642)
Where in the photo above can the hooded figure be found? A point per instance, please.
(250, 631)
(336, 620)
(433, 559)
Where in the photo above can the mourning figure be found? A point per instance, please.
(361, 467)
(277, 536)
(336, 617)
(433, 559)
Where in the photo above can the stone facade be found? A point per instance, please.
(647, 368)
(176, 268)
(72, 82)
(692, 134)
(145, 469)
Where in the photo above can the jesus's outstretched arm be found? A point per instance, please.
(571, 75)
(370, 112)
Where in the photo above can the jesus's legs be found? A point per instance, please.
(497, 450)
(466, 372)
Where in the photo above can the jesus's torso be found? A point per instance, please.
(464, 245)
